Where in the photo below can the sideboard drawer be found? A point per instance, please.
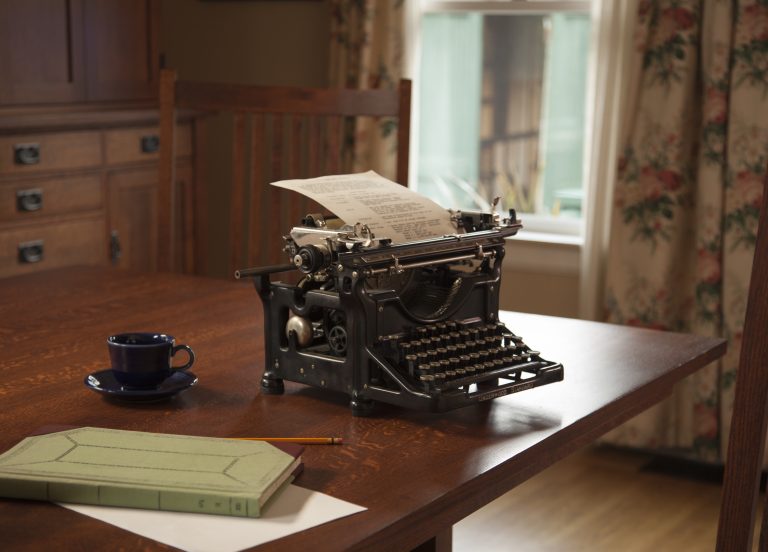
(133, 145)
(28, 199)
(40, 247)
(34, 153)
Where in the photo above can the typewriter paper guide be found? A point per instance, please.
(389, 209)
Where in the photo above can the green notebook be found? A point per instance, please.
(148, 470)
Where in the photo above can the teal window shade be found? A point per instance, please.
(519, 135)
(449, 104)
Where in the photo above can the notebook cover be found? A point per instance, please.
(148, 470)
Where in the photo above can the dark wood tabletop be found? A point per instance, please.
(417, 473)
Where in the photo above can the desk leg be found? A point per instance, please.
(441, 542)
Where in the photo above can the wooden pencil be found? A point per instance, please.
(297, 440)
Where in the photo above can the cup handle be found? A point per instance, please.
(190, 352)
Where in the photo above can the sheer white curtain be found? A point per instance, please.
(614, 71)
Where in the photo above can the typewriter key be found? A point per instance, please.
(450, 374)
(411, 363)
(454, 363)
(442, 353)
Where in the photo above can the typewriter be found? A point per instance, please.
(412, 324)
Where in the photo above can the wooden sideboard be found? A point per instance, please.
(80, 187)
(79, 137)
(75, 51)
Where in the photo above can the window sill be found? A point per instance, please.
(548, 238)
(541, 252)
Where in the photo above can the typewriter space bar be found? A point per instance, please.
(550, 374)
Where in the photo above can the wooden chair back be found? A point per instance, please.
(746, 446)
(277, 133)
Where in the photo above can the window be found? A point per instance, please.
(501, 107)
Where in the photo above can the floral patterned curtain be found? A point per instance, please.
(687, 201)
(367, 49)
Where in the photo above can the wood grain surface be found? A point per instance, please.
(417, 473)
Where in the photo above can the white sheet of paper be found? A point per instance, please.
(389, 209)
(294, 509)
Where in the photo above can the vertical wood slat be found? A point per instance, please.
(272, 230)
(257, 190)
(189, 201)
(200, 222)
(237, 197)
(295, 201)
(166, 210)
(750, 410)
(403, 131)
(335, 128)
(314, 144)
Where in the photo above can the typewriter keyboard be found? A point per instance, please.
(452, 354)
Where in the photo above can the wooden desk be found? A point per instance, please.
(417, 473)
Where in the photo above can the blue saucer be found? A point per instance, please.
(104, 382)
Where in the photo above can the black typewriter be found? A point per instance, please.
(412, 324)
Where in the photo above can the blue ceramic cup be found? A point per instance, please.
(144, 359)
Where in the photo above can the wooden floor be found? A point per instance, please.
(599, 499)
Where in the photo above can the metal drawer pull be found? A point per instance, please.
(115, 251)
(150, 143)
(31, 252)
(26, 154)
(30, 199)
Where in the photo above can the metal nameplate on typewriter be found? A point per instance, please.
(412, 324)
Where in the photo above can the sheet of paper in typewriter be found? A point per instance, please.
(389, 209)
